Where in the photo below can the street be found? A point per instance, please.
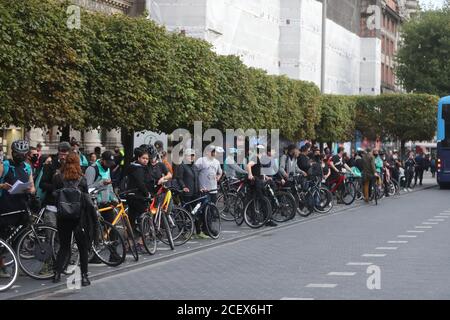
(325, 257)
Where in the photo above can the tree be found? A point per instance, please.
(337, 121)
(40, 79)
(424, 54)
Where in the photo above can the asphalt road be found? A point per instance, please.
(403, 243)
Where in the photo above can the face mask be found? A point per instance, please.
(18, 158)
(34, 158)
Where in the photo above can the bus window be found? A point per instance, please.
(446, 117)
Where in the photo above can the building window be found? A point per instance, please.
(382, 72)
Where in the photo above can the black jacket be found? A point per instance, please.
(88, 220)
(46, 184)
(187, 177)
(139, 178)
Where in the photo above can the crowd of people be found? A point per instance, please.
(51, 177)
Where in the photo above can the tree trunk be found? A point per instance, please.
(402, 149)
(321, 147)
(128, 141)
(65, 134)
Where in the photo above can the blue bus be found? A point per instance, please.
(443, 143)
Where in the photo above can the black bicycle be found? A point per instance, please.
(36, 245)
(203, 208)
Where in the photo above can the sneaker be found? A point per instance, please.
(270, 223)
(202, 235)
(410, 190)
(4, 274)
(406, 190)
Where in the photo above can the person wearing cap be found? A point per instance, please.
(231, 168)
(98, 175)
(210, 172)
(75, 144)
(187, 176)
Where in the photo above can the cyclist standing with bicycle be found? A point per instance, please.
(209, 175)
(12, 171)
(255, 169)
(139, 178)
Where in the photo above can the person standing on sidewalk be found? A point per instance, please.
(410, 165)
(419, 168)
(369, 172)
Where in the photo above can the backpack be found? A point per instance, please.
(69, 200)
(7, 167)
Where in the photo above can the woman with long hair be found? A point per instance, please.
(71, 175)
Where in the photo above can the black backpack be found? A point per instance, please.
(69, 200)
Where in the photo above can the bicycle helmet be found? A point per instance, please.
(152, 152)
(20, 146)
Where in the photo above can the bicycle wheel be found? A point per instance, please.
(225, 204)
(148, 233)
(10, 270)
(239, 209)
(36, 251)
(324, 200)
(257, 212)
(212, 221)
(168, 231)
(302, 207)
(348, 193)
(286, 208)
(131, 242)
(110, 247)
(182, 226)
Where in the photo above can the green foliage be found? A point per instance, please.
(40, 69)
(337, 121)
(129, 73)
(423, 59)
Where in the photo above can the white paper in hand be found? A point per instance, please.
(20, 187)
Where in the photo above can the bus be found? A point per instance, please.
(443, 143)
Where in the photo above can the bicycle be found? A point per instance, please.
(36, 246)
(226, 198)
(257, 211)
(10, 267)
(122, 222)
(211, 216)
(282, 202)
(110, 246)
(344, 189)
(160, 208)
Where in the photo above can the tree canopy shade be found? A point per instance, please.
(423, 58)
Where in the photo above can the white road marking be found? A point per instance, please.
(442, 216)
(430, 223)
(359, 263)
(226, 231)
(373, 255)
(192, 242)
(163, 249)
(386, 248)
(398, 241)
(436, 219)
(321, 285)
(15, 286)
(406, 236)
(423, 227)
(344, 274)
(416, 231)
